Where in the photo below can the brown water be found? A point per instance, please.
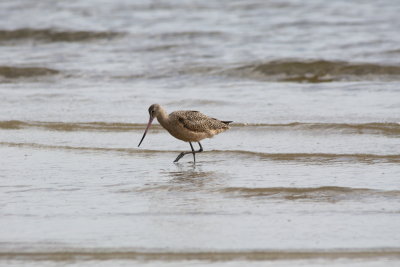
(307, 176)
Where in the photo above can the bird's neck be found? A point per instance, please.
(162, 117)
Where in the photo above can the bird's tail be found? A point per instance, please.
(227, 122)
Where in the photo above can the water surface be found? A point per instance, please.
(308, 175)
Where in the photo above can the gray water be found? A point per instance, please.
(308, 174)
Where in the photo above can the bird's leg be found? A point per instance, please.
(201, 148)
(180, 156)
(194, 153)
(190, 152)
(184, 153)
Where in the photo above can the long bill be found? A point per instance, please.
(147, 128)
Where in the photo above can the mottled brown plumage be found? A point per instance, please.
(192, 126)
(186, 125)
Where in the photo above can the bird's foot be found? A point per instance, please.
(179, 157)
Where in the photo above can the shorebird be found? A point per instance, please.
(186, 125)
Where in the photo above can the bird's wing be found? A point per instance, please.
(198, 122)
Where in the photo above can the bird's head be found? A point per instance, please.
(154, 110)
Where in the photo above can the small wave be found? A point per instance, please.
(324, 193)
(193, 102)
(46, 189)
(25, 72)
(52, 35)
(79, 254)
(318, 157)
(159, 48)
(395, 51)
(189, 35)
(74, 126)
(77, 148)
(300, 157)
(315, 71)
(388, 128)
(160, 188)
(87, 149)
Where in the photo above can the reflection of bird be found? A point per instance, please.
(186, 125)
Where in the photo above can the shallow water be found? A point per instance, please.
(308, 175)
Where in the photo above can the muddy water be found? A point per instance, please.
(307, 175)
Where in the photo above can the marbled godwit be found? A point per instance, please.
(186, 125)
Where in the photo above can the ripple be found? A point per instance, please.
(110, 254)
(297, 157)
(24, 72)
(324, 193)
(384, 128)
(316, 71)
(52, 35)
